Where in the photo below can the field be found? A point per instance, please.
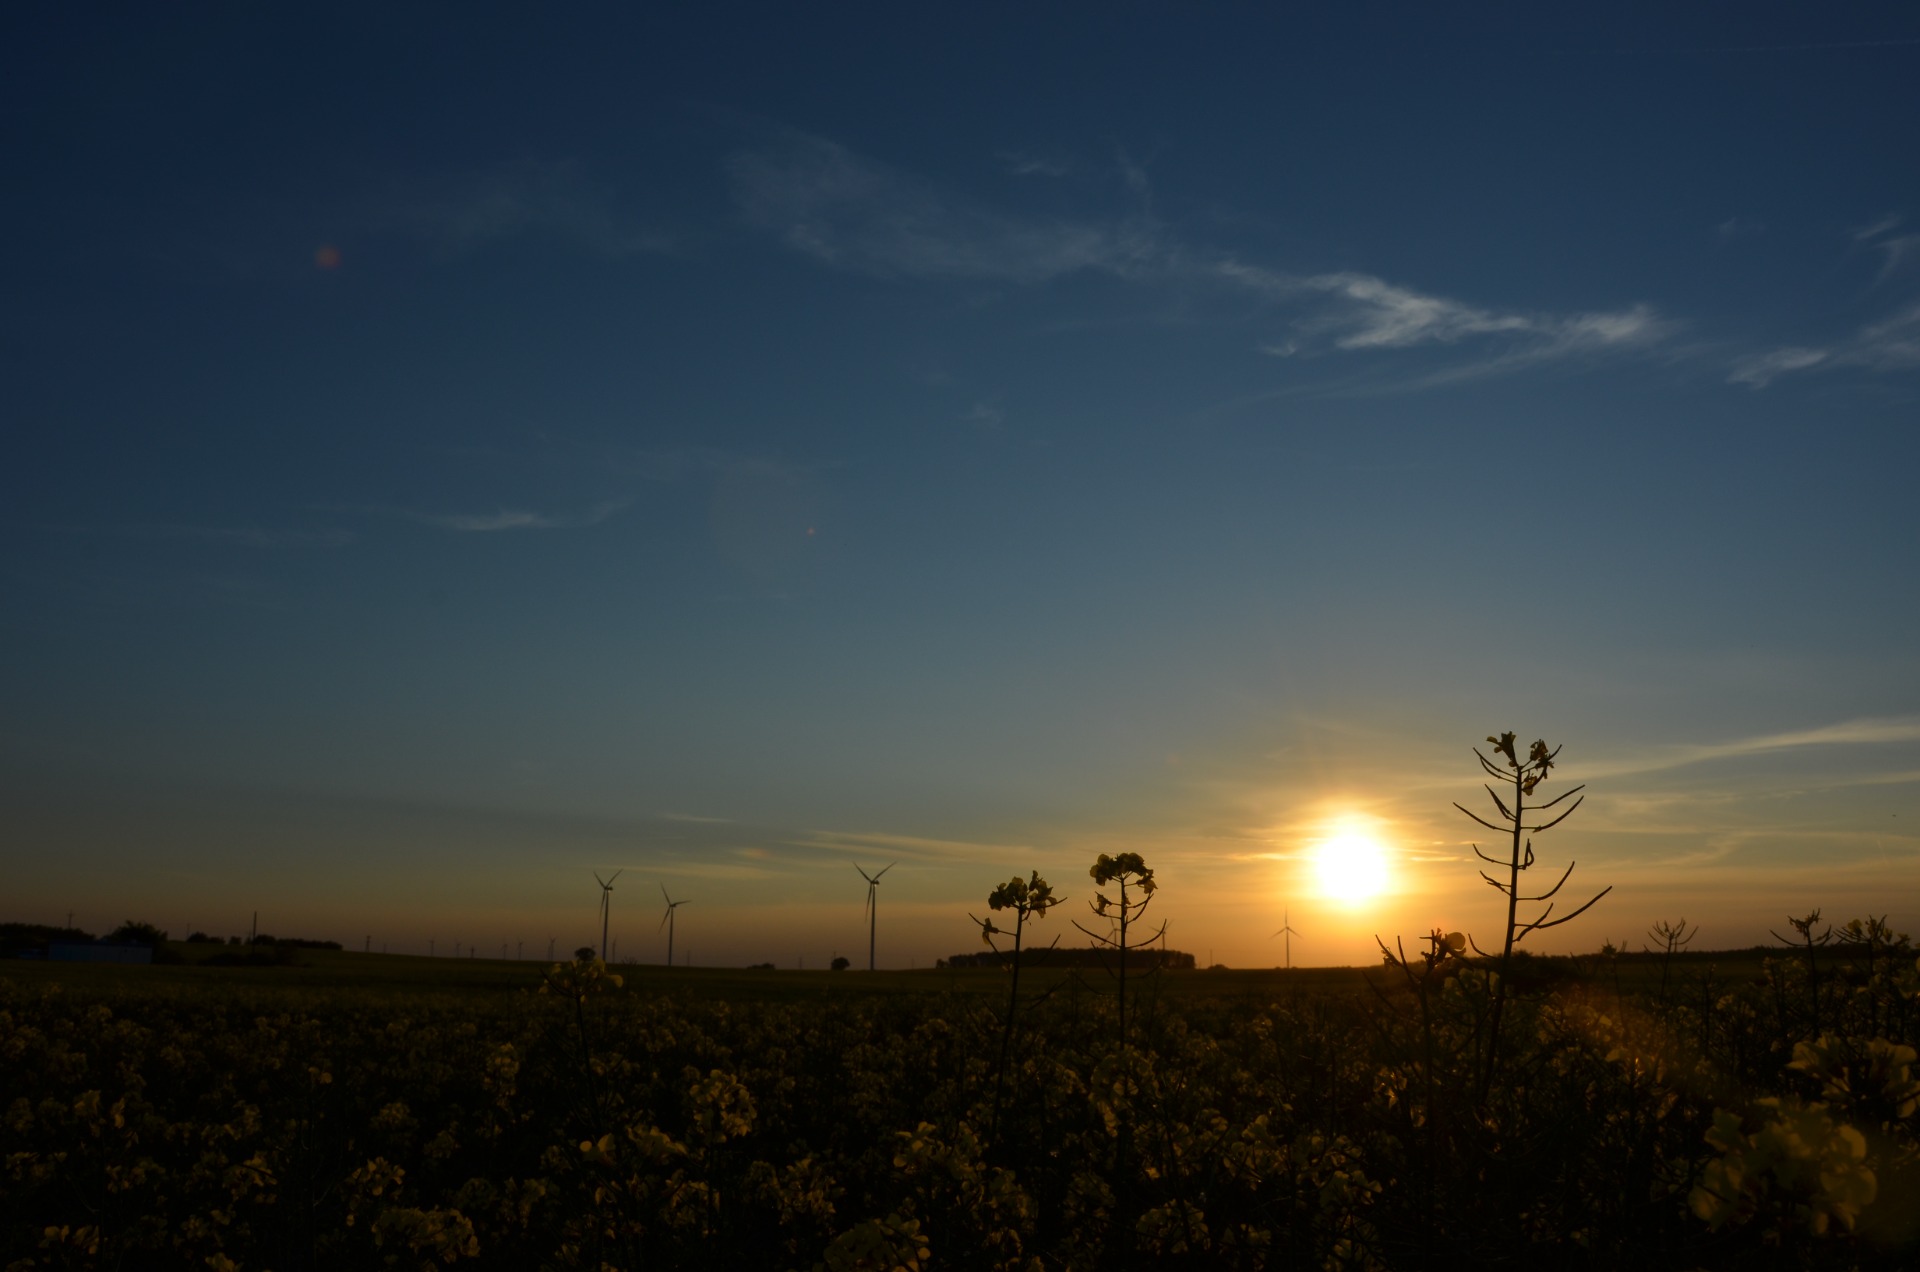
(356, 1110)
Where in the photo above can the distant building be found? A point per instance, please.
(98, 952)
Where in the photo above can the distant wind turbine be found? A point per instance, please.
(873, 907)
(606, 905)
(1289, 933)
(666, 920)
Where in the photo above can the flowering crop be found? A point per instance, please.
(593, 1126)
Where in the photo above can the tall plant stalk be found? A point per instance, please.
(1523, 776)
(1027, 898)
(1125, 869)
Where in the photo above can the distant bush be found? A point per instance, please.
(134, 932)
(840, 964)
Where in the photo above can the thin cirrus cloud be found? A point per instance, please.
(1867, 731)
(463, 212)
(1020, 164)
(825, 201)
(233, 536)
(505, 519)
(848, 212)
(1892, 344)
(516, 519)
(1889, 345)
(1897, 250)
(1356, 312)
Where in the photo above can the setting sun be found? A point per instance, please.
(1351, 867)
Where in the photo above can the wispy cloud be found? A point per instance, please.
(1874, 229)
(1360, 312)
(918, 846)
(848, 211)
(516, 519)
(1892, 344)
(236, 536)
(462, 212)
(1021, 164)
(1760, 370)
(1868, 731)
(1739, 227)
(491, 522)
(1896, 249)
(986, 415)
(852, 213)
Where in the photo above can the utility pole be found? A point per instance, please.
(369, 948)
(429, 947)
(550, 949)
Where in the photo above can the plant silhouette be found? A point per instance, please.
(1127, 870)
(1028, 898)
(1523, 776)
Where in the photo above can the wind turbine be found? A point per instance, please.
(606, 904)
(666, 920)
(873, 907)
(1287, 917)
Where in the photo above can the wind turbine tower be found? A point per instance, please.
(606, 905)
(1289, 933)
(873, 907)
(666, 920)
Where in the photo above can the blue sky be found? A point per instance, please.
(452, 453)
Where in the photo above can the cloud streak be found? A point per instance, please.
(1868, 731)
(494, 522)
(1890, 345)
(826, 202)
(847, 212)
(1355, 312)
(235, 536)
(516, 519)
(464, 212)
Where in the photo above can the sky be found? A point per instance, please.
(454, 451)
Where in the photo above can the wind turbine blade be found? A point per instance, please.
(890, 865)
(666, 916)
(612, 877)
(863, 874)
(597, 879)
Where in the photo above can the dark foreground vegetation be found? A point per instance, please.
(1460, 1107)
(1645, 1114)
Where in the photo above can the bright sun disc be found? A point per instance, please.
(1351, 868)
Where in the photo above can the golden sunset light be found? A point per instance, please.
(1068, 637)
(1352, 868)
